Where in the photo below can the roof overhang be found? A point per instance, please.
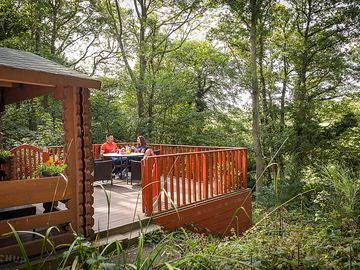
(10, 75)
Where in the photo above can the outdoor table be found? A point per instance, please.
(116, 155)
(124, 162)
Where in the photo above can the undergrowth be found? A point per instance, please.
(316, 229)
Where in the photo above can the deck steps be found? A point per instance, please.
(128, 238)
(143, 223)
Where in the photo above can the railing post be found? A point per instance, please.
(244, 168)
(45, 155)
(146, 187)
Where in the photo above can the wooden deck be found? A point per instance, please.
(125, 205)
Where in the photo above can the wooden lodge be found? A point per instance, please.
(199, 187)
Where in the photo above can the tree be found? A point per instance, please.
(319, 58)
(146, 31)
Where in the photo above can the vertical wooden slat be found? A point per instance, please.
(33, 167)
(177, 176)
(158, 181)
(38, 159)
(220, 165)
(228, 157)
(237, 184)
(194, 173)
(166, 172)
(26, 163)
(204, 176)
(244, 167)
(188, 176)
(198, 176)
(216, 178)
(149, 196)
(143, 185)
(171, 179)
(183, 180)
(211, 173)
(150, 163)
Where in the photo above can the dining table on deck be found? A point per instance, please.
(117, 155)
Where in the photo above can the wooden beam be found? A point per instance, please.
(36, 221)
(34, 247)
(22, 192)
(24, 92)
(6, 84)
(25, 76)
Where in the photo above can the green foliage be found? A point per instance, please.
(345, 185)
(40, 123)
(51, 168)
(5, 153)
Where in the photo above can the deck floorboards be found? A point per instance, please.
(125, 204)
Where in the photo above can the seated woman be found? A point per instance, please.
(141, 144)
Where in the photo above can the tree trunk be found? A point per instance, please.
(141, 87)
(283, 93)
(256, 132)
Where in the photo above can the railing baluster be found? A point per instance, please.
(188, 176)
(244, 167)
(183, 179)
(198, 176)
(194, 173)
(222, 172)
(216, 179)
(177, 176)
(211, 173)
(228, 157)
(166, 174)
(233, 153)
(204, 177)
(171, 163)
(33, 165)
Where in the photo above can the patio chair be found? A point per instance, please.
(103, 170)
(135, 168)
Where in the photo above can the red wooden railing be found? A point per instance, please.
(26, 160)
(179, 176)
(173, 180)
(57, 152)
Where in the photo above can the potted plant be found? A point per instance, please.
(49, 169)
(5, 165)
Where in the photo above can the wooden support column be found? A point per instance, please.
(88, 165)
(74, 154)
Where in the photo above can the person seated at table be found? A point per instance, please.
(110, 147)
(141, 144)
(148, 153)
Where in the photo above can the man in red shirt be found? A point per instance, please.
(109, 146)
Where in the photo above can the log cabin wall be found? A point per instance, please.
(88, 164)
(23, 76)
(78, 156)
